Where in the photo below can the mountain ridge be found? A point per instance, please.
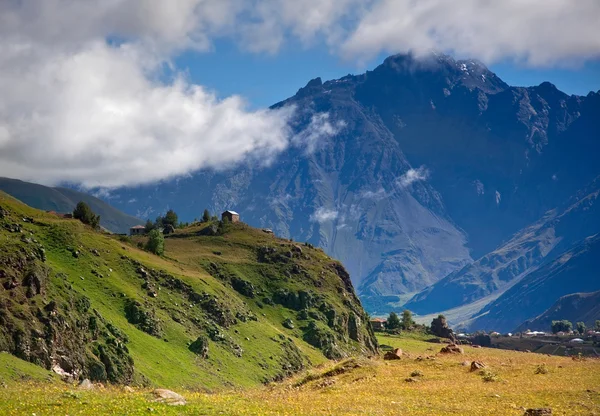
(434, 159)
(64, 200)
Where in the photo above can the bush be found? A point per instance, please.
(541, 369)
(488, 376)
(156, 243)
(125, 239)
(84, 213)
(416, 373)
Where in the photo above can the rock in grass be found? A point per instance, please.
(452, 349)
(477, 365)
(168, 397)
(85, 385)
(396, 354)
(538, 412)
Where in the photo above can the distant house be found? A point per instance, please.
(378, 324)
(137, 230)
(230, 216)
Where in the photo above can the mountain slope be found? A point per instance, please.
(343, 193)
(64, 200)
(576, 307)
(435, 162)
(576, 270)
(227, 305)
(554, 233)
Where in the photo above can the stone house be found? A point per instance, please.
(230, 216)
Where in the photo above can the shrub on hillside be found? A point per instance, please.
(84, 213)
(156, 243)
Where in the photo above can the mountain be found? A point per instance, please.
(227, 305)
(557, 231)
(64, 200)
(576, 270)
(576, 307)
(436, 162)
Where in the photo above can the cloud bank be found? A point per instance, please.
(90, 93)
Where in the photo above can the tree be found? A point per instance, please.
(84, 213)
(159, 222)
(206, 216)
(156, 242)
(171, 218)
(149, 226)
(598, 325)
(581, 327)
(407, 321)
(393, 322)
(561, 326)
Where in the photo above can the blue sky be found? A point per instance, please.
(265, 79)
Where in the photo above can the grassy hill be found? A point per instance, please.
(225, 306)
(510, 383)
(64, 200)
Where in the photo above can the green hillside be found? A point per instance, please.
(225, 306)
(64, 200)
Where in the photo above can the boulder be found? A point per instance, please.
(168, 397)
(85, 385)
(452, 349)
(396, 354)
(477, 365)
(538, 412)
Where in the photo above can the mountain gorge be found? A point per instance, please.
(435, 163)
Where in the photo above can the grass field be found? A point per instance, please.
(374, 387)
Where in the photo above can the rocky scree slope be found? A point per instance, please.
(225, 306)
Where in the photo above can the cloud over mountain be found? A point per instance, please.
(90, 93)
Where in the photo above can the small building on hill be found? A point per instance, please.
(378, 324)
(137, 230)
(230, 216)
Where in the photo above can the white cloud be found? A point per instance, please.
(75, 107)
(375, 195)
(413, 175)
(498, 198)
(537, 32)
(322, 215)
(319, 128)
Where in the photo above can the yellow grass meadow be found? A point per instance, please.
(441, 385)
